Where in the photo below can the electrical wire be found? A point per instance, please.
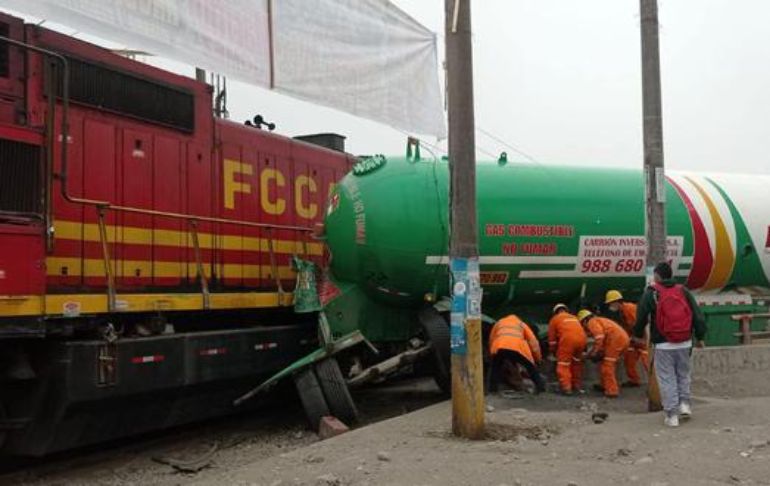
(508, 145)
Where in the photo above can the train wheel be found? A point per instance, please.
(336, 391)
(436, 330)
(311, 396)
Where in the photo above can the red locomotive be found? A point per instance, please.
(145, 269)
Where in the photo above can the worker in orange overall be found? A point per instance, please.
(512, 341)
(626, 316)
(567, 341)
(610, 342)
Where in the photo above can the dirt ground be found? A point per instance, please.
(223, 445)
(532, 440)
(544, 440)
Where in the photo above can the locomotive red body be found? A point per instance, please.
(153, 255)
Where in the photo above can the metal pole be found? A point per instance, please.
(467, 366)
(655, 181)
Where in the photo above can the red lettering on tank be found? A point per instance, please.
(541, 230)
(544, 249)
(494, 230)
(767, 241)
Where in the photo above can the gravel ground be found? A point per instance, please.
(223, 445)
(532, 440)
(545, 440)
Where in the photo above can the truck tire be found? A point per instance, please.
(311, 396)
(436, 331)
(336, 391)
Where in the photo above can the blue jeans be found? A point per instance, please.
(672, 369)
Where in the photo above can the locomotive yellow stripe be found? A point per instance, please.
(53, 305)
(94, 267)
(131, 235)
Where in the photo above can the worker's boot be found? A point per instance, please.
(685, 411)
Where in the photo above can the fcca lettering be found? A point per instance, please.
(271, 188)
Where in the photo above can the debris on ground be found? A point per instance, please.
(190, 466)
(328, 480)
(623, 452)
(330, 427)
(599, 417)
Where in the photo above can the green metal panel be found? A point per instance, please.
(721, 327)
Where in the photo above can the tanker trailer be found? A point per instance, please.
(546, 234)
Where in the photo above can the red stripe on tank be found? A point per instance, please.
(703, 259)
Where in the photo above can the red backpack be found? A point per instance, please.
(674, 315)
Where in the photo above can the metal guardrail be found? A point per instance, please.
(746, 334)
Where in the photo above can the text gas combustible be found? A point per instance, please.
(275, 191)
(621, 255)
(511, 248)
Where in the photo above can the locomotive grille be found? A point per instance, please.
(127, 94)
(20, 178)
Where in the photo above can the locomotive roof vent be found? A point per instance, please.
(332, 141)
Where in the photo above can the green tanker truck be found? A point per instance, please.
(546, 234)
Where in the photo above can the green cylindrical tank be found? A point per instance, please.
(546, 234)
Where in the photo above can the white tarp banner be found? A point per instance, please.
(366, 57)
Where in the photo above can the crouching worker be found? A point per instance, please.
(674, 318)
(610, 342)
(637, 352)
(567, 341)
(512, 341)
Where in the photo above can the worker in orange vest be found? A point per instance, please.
(626, 312)
(610, 342)
(567, 341)
(512, 341)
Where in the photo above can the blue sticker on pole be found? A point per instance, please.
(459, 280)
(457, 338)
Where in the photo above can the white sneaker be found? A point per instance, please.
(671, 421)
(685, 410)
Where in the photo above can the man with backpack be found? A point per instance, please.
(674, 318)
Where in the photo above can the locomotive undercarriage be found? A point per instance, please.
(89, 380)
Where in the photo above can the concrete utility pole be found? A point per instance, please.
(655, 180)
(467, 367)
(653, 134)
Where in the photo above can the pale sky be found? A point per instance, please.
(560, 80)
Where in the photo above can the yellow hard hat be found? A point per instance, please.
(612, 296)
(558, 307)
(583, 314)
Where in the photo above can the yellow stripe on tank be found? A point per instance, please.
(724, 256)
